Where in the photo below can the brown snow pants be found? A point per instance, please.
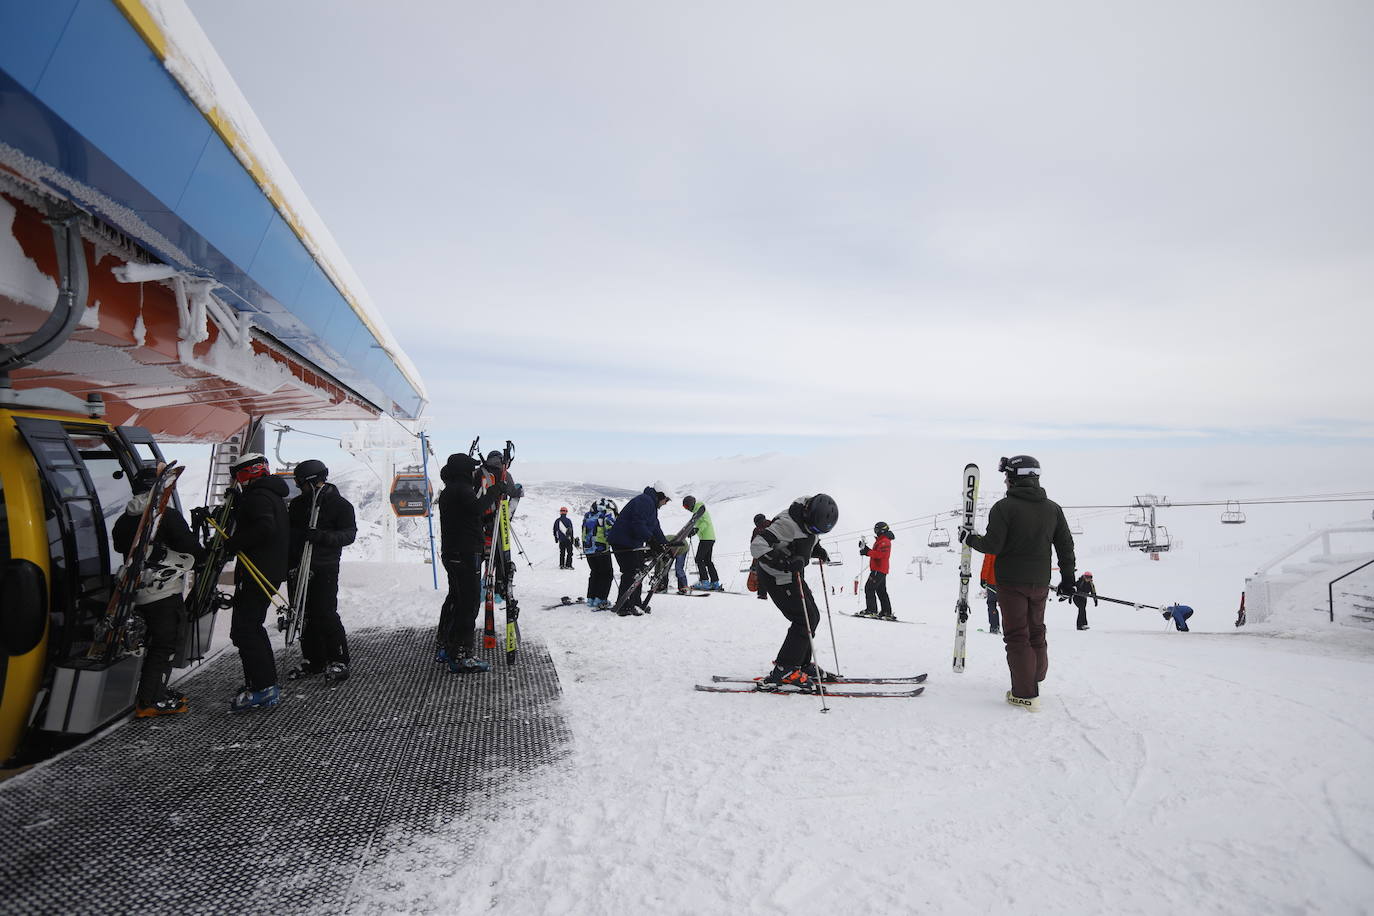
(1023, 631)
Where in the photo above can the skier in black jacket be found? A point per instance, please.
(324, 642)
(261, 534)
(461, 543)
(158, 598)
(1022, 526)
(783, 550)
(564, 538)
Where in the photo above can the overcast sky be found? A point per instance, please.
(768, 226)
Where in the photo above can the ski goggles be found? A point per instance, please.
(1004, 467)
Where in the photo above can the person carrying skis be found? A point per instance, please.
(636, 528)
(493, 472)
(1179, 614)
(262, 536)
(987, 580)
(596, 524)
(876, 602)
(324, 642)
(1022, 527)
(1084, 589)
(783, 550)
(158, 597)
(706, 544)
(761, 522)
(461, 550)
(563, 537)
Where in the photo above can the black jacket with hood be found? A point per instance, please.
(461, 510)
(1022, 527)
(260, 526)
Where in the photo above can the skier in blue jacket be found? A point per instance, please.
(635, 528)
(1179, 614)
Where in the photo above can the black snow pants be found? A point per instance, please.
(875, 593)
(630, 562)
(565, 553)
(799, 607)
(458, 618)
(705, 567)
(599, 575)
(248, 633)
(163, 618)
(323, 639)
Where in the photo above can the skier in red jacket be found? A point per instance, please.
(875, 589)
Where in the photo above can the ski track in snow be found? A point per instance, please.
(1163, 776)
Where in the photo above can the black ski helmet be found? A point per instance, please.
(311, 470)
(495, 459)
(1020, 466)
(689, 503)
(821, 513)
(760, 519)
(881, 528)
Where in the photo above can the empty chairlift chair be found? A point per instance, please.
(939, 537)
(411, 495)
(1233, 516)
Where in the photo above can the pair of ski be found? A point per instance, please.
(498, 568)
(656, 570)
(120, 630)
(837, 686)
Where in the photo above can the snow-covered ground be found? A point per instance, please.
(1224, 770)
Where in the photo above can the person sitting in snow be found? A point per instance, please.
(1179, 614)
(783, 550)
(876, 602)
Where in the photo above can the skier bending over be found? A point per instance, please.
(1021, 528)
(636, 527)
(1179, 613)
(324, 643)
(783, 551)
(875, 589)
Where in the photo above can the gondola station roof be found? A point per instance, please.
(214, 289)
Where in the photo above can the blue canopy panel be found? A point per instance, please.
(83, 93)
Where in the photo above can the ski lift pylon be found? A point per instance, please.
(1233, 516)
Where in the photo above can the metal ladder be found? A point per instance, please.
(222, 458)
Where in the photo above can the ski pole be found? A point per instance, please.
(830, 621)
(1126, 603)
(519, 549)
(256, 575)
(810, 640)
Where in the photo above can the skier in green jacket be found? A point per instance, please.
(706, 543)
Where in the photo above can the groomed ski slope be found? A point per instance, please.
(1221, 771)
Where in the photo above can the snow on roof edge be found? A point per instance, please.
(172, 32)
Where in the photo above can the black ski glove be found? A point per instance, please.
(820, 553)
(963, 535)
(863, 551)
(797, 564)
(1066, 589)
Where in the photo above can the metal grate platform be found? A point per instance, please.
(275, 811)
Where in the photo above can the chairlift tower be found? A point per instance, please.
(379, 444)
(1143, 531)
